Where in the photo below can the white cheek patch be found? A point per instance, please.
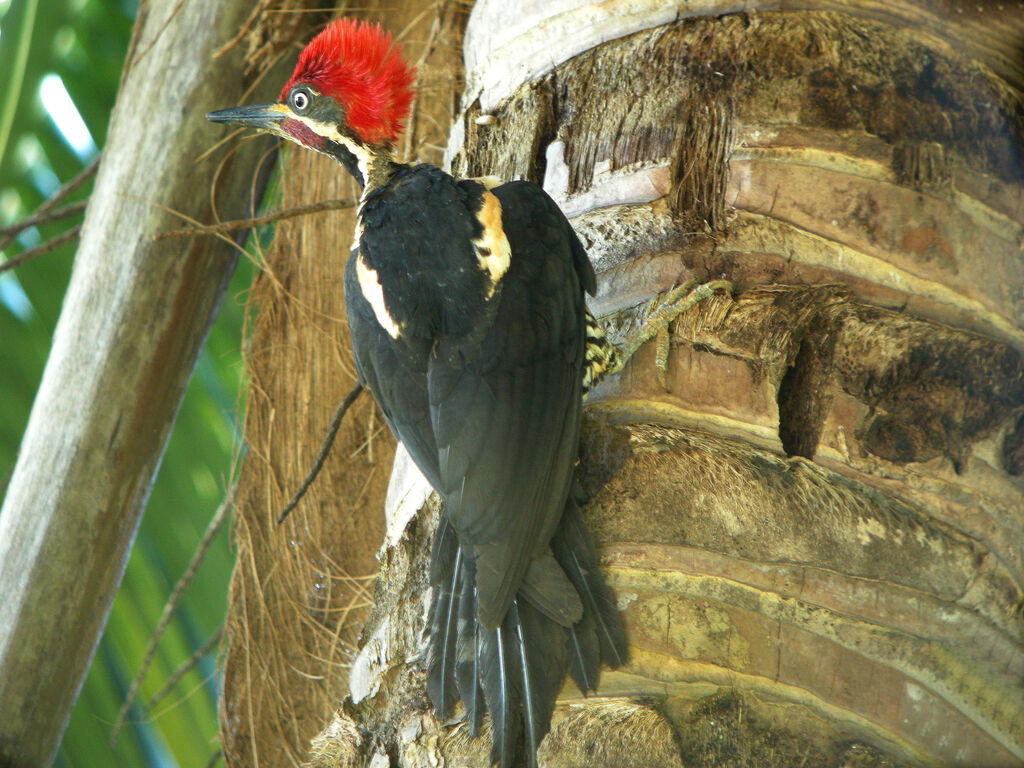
(493, 252)
(369, 285)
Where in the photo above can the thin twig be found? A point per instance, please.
(325, 449)
(257, 9)
(43, 217)
(232, 134)
(216, 756)
(55, 199)
(172, 603)
(78, 180)
(184, 668)
(236, 224)
(141, 17)
(189, 219)
(39, 250)
(313, 10)
(149, 46)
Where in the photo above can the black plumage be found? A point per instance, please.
(481, 378)
(468, 324)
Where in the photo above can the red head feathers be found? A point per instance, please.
(354, 63)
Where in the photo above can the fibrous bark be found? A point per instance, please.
(814, 533)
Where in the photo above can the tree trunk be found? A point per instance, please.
(133, 321)
(814, 529)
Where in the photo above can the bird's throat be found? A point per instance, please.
(369, 166)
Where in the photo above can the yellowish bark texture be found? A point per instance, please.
(814, 519)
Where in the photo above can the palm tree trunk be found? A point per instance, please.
(814, 528)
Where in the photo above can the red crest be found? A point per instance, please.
(355, 63)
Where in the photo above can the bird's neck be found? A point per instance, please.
(370, 166)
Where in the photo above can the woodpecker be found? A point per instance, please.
(465, 304)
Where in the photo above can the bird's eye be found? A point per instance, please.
(300, 100)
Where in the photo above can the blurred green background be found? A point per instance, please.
(61, 61)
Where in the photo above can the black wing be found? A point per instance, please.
(484, 392)
(398, 384)
(484, 388)
(506, 410)
(417, 230)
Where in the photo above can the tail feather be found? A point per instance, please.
(585, 654)
(543, 658)
(612, 638)
(502, 693)
(467, 650)
(516, 670)
(530, 703)
(441, 648)
(601, 622)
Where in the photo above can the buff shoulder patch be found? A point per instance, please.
(488, 182)
(493, 252)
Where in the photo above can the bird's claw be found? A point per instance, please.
(660, 313)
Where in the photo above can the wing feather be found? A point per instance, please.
(486, 395)
(505, 407)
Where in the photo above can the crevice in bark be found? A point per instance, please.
(929, 390)
(547, 126)
(803, 396)
(1013, 448)
(513, 145)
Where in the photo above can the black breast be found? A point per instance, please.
(417, 233)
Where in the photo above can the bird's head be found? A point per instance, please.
(349, 93)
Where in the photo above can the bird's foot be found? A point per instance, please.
(660, 313)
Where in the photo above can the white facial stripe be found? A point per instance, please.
(330, 132)
(369, 284)
(357, 235)
(493, 252)
(362, 157)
